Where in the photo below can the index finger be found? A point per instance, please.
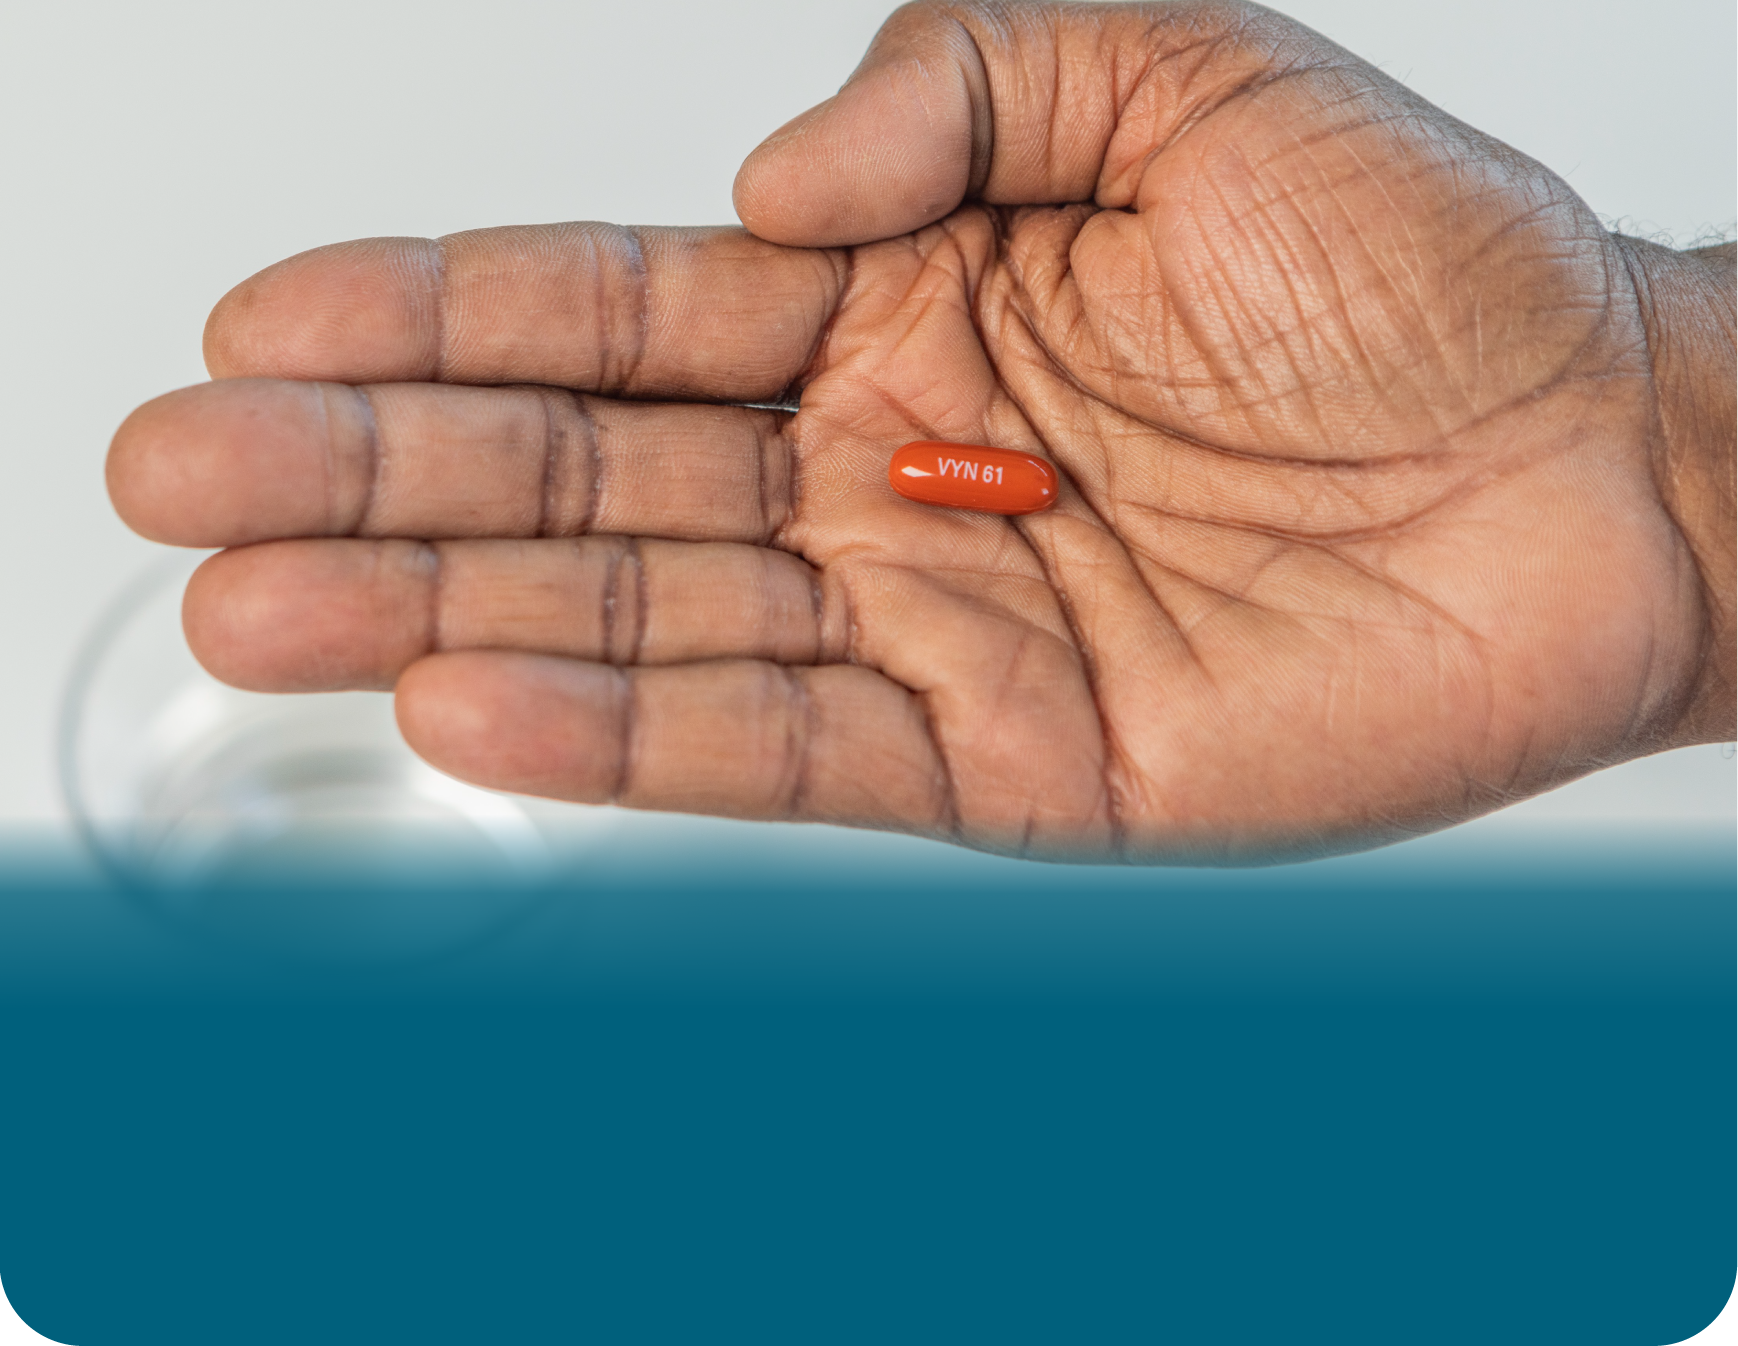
(707, 314)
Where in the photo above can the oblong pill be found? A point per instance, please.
(973, 476)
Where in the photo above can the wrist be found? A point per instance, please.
(1687, 307)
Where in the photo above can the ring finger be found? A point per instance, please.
(325, 614)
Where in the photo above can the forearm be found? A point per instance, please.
(1687, 303)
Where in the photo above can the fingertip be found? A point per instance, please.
(774, 193)
(133, 470)
(221, 464)
(220, 622)
(310, 615)
(208, 621)
(532, 724)
(164, 470)
(358, 312)
(890, 153)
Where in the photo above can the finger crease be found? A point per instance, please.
(440, 310)
(950, 814)
(611, 578)
(818, 608)
(376, 466)
(329, 464)
(818, 357)
(594, 457)
(793, 482)
(850, 622)
(788, 447)
(766, 525)
(983, 116)
(435, 639)
(628, 717)
(551, 452)
(1111, 759)
(636, 260)
(801, 723)
(639, 581)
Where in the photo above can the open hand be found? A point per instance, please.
(1363, 526)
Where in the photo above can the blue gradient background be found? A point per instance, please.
(794, 1086)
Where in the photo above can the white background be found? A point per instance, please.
(154, 155)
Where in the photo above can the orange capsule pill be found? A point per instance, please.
(971, 476)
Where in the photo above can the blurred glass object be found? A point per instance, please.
(302, 823)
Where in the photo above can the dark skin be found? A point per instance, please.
(1394, 487)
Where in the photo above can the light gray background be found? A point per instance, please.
(153, 155)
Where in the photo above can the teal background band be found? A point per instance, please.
(1417, 1096)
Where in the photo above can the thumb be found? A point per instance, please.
(897, 148)
(1015, 104)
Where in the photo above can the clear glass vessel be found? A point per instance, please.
(300, 822)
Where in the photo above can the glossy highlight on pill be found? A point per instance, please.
(973, 476)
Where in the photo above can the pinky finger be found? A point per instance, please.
(736, 738)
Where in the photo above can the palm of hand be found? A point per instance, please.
(1354, 470)
(1358, 530)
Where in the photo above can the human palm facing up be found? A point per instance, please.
(1393, 487)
